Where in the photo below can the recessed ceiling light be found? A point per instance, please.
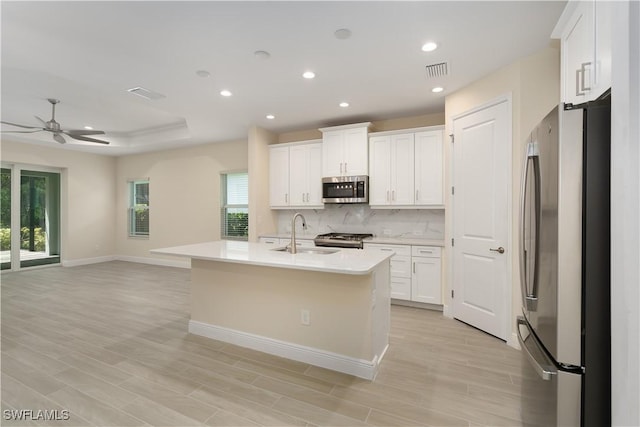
(342, 33)
(344, 104)
(262, 54)
(270, 116)
(203, 73)
(308, 74)
(225, 93)
(437, 89)
(88, 128)
(429, 47)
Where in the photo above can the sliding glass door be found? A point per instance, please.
(30, 217)
(5, 218)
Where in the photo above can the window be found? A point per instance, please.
(139, 208)
(235, 206)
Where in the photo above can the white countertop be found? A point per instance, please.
(389, 240)
(344, 261)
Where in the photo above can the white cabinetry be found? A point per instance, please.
(406, 168)
(279, 176)
(429, 161)
(276, 242)
(269, 240)
(345, 150)
(400, 268)
(391, 167)
(295, 175)
(305, 175)
(425, 281)
(584, 30)
(415, 272)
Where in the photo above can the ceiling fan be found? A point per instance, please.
(54, 127)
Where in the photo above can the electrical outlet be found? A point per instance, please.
(386, 232)
(305, 317)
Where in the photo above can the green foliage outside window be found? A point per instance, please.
(237, 224)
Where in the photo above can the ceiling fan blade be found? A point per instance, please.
(20, 126)
(22, 131)
(59, 138)
(84, 138)
(41, 121)
(81, 132)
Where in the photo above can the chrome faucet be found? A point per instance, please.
(292, 245)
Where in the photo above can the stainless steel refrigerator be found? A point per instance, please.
(564, 330)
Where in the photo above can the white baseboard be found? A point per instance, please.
(513, 341)
(87, 261)
(366, 369)
(446, 311)
(180, 263)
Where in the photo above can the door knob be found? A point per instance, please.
(500, 250)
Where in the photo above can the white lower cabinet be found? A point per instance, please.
(426, 274)
(415, 272)
(269, 240)
(300, 243)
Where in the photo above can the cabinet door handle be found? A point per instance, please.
(417, 198)
(500, 250)
(581, 88)
(387, 195)
(341, 169)
(307, 197)
(414, 268)
(286, 197)
(386, 249)
(393, 195)
(424, 251)
(345, 168)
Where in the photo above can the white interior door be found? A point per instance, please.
(481, 180)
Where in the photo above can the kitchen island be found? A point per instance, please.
(326, 309)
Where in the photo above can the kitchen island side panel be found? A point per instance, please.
(267, 302)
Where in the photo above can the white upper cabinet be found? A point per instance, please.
(584, 30)
(406, 168)
(345, 150)
(305, 175)
(295, 175)
(279, 176)
(391, 164)
(429, 168)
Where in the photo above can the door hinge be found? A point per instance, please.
(452, 242)
(453, 191)
(451, 293)
(452, 137)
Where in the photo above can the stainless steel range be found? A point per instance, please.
(341, 240)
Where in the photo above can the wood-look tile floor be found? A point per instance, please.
(108, 343)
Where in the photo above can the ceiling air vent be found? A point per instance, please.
(146, 93)
(437, 70)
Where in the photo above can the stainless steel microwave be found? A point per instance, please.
(345, 189)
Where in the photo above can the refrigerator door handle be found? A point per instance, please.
(529, 297)
(543, 368)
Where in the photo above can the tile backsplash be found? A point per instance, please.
(356, 218)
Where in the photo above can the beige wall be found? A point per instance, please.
(88, 224)
(262, 220)
(184, 195)
(534, 86)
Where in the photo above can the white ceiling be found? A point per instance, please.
(87, 54)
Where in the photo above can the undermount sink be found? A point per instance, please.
(313, 251)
